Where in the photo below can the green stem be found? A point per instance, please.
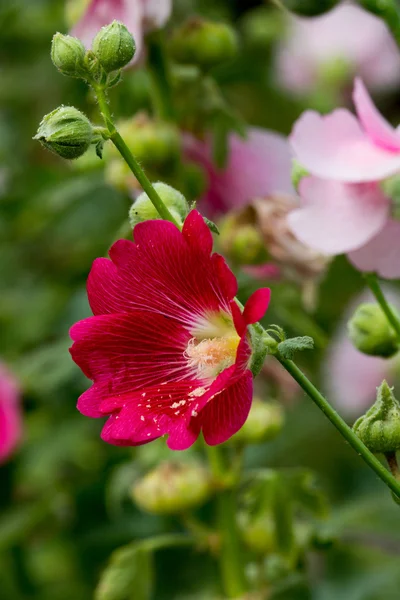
(231, 558)
(341, 425)
(388, 11)
(161, 77)
(130, 160)
(373, 283)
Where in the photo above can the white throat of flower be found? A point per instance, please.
(213, 346)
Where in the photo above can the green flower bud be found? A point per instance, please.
(155, 144)
(68, 55)
(242, 240)
(172, 488)
(391, 188)
(66, 132)
(265, 422)
(309, 8)
(370, 331)
(379, 428)
(143, 209)
(114, 46)
(297, 174)
(258, 533)
(204, 43)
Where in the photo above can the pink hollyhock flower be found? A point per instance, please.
(140, 17)
(343, 207)
(167, 347)
(257, 166)
(313, 45)
(10, 414)
(352, 377)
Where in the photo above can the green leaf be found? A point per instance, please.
(128, 576)
(211, 225)
(289, 347)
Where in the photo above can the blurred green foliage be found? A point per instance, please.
(64, 499)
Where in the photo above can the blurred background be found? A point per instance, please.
(66, 499)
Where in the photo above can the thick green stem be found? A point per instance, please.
(388, 11)
(341, 425)
(373, 283)
(231, 558)
(130, 160)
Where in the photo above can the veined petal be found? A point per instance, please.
(335, 147)
(225, 414)
(127, 352)
(381, 254)
(336, 217)
(375, 125)
(166, 271)
(256, 306)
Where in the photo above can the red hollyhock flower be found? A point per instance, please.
(167, 349)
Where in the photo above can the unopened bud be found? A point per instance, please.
(68, 55)
(143, 209)
(241, 239)
(370, 331)
(154, 143)
(172, 488)
(204, 43)
(309, 8)
(265, 422)
(379, 428)
(66, 132)
(258, 533)
(114, 46)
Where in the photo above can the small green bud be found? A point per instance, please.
(66, 132)
(172, 488)
(391, 188)
(114, 46)
(309, 8)
(264, 423)
(242, 240)
(68, 55)
(258, 533)
(204, 43)
(143, 209)
(297, 174)
(155, 144)
(370, 331)
(379, 428)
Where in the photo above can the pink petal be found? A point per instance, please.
(102, 12)
(381, 254)
(257, 166)
(337, 217)
(336, 147)
(256, 306)
(127, 352)
(313, 44)
(10, 414)
(156, 13)
(167, 272)
(226, 413)
(377, 128)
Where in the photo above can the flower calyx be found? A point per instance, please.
(379, 428)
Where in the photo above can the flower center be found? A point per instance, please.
(211, 356)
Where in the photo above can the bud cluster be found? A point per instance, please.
(112, 49)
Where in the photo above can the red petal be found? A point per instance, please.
(145, 415)
(256, 305)
(197, 233)
(225, 414)
(166, 272)
(126, 352)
